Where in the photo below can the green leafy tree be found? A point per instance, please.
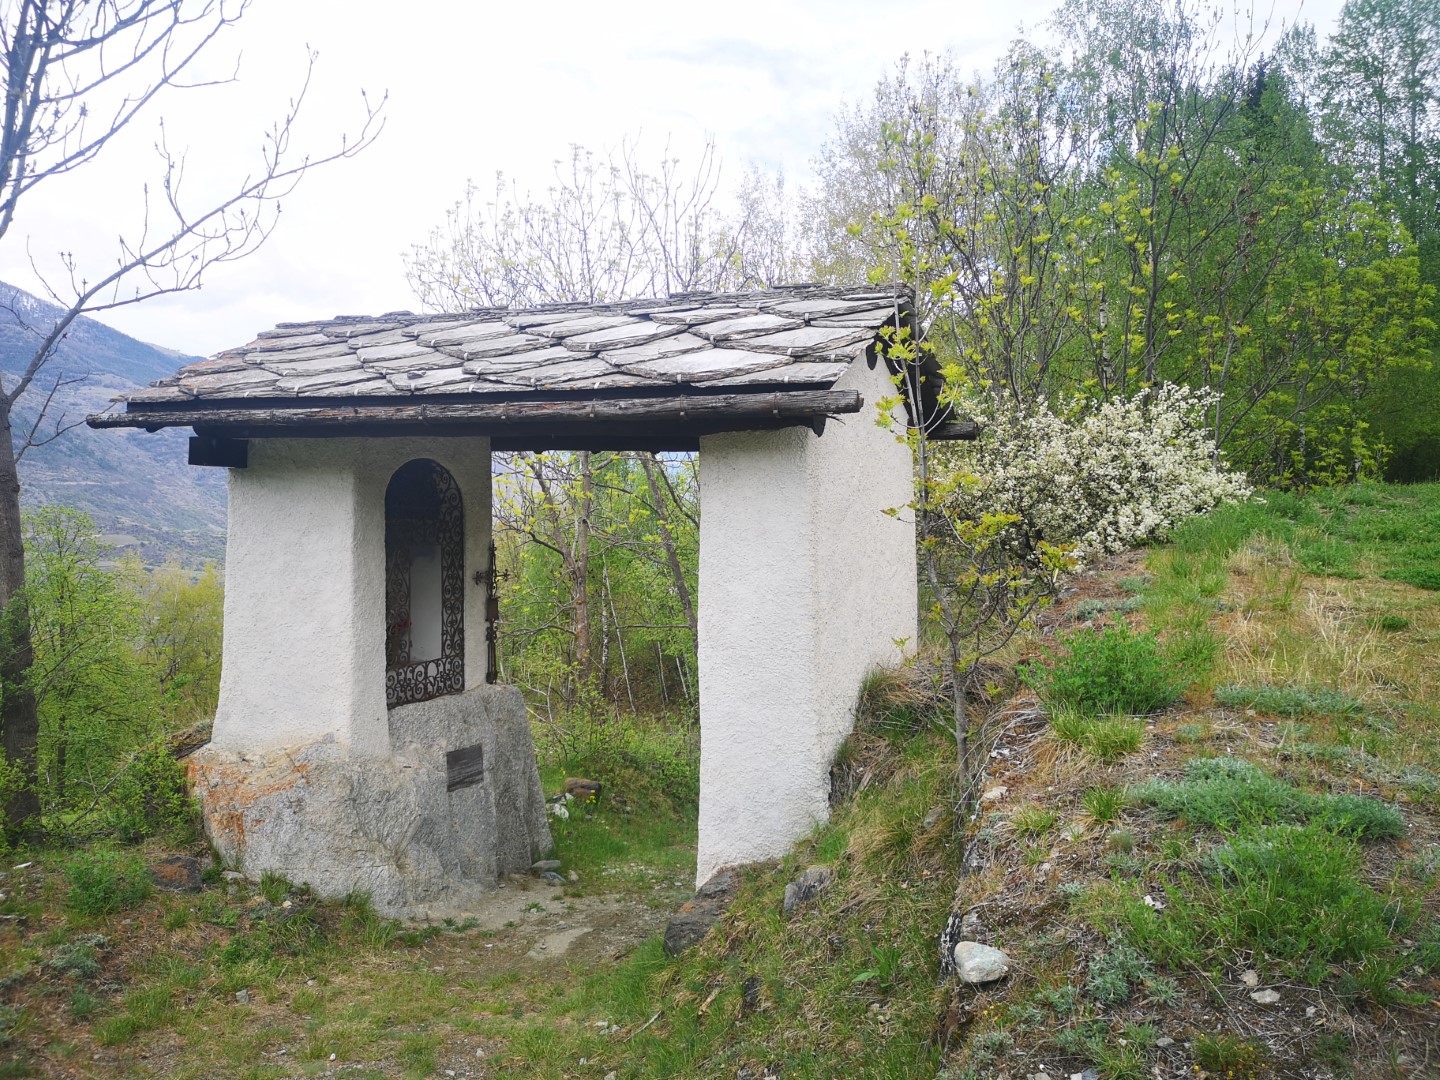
(1156, 208)
(1380, 84)
(182, 623)
(95, 696)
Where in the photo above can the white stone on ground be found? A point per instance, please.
(978, 963)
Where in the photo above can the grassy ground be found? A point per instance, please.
(1246, 802)
(151, 989)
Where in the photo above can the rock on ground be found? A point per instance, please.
(178, 873)
(813, 881)
(976, 963)
(693, 921)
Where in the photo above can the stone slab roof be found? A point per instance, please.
(642, 375)
(800, 337)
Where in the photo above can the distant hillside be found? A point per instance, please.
(136, 485)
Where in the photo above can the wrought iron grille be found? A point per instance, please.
(423, 508)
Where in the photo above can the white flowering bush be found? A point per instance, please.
(1097, 478)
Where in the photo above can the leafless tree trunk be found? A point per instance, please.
(17, 708)
(667, 539)
(581, 565)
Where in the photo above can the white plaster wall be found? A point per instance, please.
(805, 585)
(304, 652)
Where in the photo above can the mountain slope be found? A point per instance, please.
(136, 485)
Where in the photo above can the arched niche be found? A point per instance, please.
(424, 584)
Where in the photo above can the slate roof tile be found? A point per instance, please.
(808, 339)
(802, 336)
(747, 326)
(787, 375)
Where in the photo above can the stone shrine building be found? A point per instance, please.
(360, 741)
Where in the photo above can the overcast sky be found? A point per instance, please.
(477, 87)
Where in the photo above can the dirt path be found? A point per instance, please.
(529, 924)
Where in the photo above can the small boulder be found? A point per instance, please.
(1265, 997)
(688, 925)
(695, 917)
(582, 790)
(543, 865)
(977, 964)
(552, 878)
(807, 886)
(178, 873)
(721, 884)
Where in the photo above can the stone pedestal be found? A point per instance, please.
(425, 830)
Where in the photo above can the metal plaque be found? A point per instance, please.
(464, 767)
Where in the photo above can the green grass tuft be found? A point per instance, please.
(1115, 670)
(1107, 738)
(1033, 821)
(1291, 895)
(1103, 804)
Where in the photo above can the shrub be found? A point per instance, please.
(1355, 815)
(644, 761)
(1101, 476)
(152, 798)
(78, 957)
(1421, 577)
(1113, 975)
(1228, 1056)
(103, 881)
(1115, 670)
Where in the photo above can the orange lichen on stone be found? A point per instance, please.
(227, 792)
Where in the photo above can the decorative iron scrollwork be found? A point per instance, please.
(423, 511)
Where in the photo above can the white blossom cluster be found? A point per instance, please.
(1102, 477)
